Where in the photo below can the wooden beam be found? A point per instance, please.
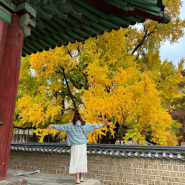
(26, 8)
(8, 5)
(5, 15)
(27, 31)
(59, 2)
(32, 23)
(24, 20)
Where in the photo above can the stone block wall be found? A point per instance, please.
(111, 170)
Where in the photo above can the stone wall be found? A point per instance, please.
(111, 170)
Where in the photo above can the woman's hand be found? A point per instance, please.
(104, 124)
(50, 126)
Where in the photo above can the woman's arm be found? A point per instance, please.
(94, 126)
(63, 127)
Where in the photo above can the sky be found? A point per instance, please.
(176, 51)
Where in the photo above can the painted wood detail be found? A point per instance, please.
(25, 10)
(51, 23)
(5, 15)
(3, 32)
(79, 20)
(9, 78)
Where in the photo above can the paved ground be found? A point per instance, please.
(47, 179)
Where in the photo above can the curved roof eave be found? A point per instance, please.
(59, 22)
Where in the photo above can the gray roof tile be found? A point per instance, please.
(160, 152)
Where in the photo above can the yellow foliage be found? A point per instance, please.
(50, 61)
(93, 135)
(41, 133)
(117, 76)
(132, 101)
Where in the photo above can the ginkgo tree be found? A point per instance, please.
(133, 101)
(54, 82)
(45, 103)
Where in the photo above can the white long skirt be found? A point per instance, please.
(78, 162)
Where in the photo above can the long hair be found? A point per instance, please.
(77, 116)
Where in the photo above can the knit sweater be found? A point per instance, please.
(75, 135)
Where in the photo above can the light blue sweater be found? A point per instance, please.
(75, 135)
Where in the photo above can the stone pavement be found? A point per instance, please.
(11, 180)
(48, 179)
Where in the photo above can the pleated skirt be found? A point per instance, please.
(78, 162)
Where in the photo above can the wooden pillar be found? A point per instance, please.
(3, 32)
(9, 78)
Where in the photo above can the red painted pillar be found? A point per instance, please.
(3, 32)
(9, 78)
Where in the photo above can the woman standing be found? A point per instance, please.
(77, 133)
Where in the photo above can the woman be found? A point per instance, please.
(77, 133)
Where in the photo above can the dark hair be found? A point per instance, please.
(77, 116)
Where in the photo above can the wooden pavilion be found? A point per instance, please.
(29, 26)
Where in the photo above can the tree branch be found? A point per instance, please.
(69, 52)
(121, 128)
(65, 95)
(78, 49)
(73, 82)
(143, 40)
(25, 128)
(138, 119)
(68, 88)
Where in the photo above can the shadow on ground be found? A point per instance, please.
(48, 179)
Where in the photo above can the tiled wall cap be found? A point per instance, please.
(164, 154)
(149, 154)
(108, 150)
(179, 156)
(123, 154)
(171, 156)
(129, 154)
(143, 154)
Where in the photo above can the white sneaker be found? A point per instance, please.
(81, 180)
(78, 181)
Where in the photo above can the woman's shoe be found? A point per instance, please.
(81, 180)
(78, 181)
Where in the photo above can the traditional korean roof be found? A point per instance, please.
(158, 152)
(51, 23)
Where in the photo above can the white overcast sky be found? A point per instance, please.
(176, 51)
